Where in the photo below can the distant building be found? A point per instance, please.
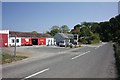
(63, 36)
(12, 41)
(7, 38)
(28, 38)
(4, 34)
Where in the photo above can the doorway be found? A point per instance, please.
(35, 41)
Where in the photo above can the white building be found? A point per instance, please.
(63, 37)
(12, 41)
(50, 41)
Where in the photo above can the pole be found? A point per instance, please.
(15, 49)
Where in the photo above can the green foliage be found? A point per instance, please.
(7, 58)
(54, 30)
(110, 30)
(34, 32)
(85, 31)
(76, 29)
(93, 39)
(84, 41)
(117, 57)
(64, 29)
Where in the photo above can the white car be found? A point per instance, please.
(64, 43)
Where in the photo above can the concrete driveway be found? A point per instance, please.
(36, 51)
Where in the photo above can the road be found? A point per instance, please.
(85, 62)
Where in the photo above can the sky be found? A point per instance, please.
(0, 15)
(60, 0)
(119, 7)
(41, 16)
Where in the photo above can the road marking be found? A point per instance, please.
(36, 74)
(80, 55)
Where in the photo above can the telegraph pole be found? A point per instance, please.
(15, 49)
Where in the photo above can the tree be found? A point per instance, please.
(105, 32)
(94, 27)
(55, 27)
(34, 32)
(110, 30)
(54, 30)
(85, 32)
(76, 29)
(64, 29)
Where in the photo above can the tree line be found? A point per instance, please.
(93, 32)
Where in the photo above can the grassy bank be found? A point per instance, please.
(117, 57)
(7, 58)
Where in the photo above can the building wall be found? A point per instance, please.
(41, 41)
(50, 41)
(12, 41)
(58, 38)
(26, 41)
(4, 34)
(3, 40)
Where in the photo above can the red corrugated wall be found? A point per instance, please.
(26, 41)
(41, 41)
(3, 40)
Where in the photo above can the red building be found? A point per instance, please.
(41, 41)
(29, 38)
(26, 41)
(4, 34)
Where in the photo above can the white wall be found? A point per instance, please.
(50, 41)
(17, 43)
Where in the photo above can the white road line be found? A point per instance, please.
(36, 74)
(80, 55)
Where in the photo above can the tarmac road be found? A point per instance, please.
(85, 62)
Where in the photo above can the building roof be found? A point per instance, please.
(65, 35)
(4, 31)
(28, 34)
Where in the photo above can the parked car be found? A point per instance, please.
(64, 44)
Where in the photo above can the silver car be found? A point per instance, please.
(64, 44)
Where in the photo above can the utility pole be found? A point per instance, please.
(15, 49)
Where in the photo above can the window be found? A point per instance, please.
(13, 40)
(17, 40)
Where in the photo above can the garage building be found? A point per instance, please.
(4, 34)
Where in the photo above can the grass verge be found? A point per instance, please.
(7, 58)
(117, 57)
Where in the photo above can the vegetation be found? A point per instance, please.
(34, 32)
(117, 57)
(64, 29)
(110, 30)
(87, 32)
(93, 32)
(57, 29)
(7, 58)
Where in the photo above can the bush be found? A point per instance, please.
(84, 41)
(95, 38)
